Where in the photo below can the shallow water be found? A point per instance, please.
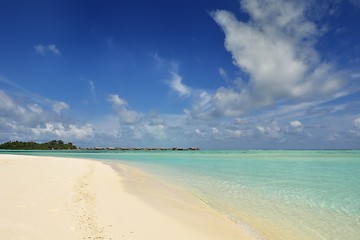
(274, 194)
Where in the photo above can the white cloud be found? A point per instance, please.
(199, 132)
(272, 130)
(59, 106)
(127, 116)
(202, 107)
(175, 81)
(40, 49)
(120, 107)
(44, 49)
(116, 100)
(83, 132)
(18, 112)
(296, 124)
(215, 131)
(234, 133)
(228, 102)
(10, 109)
(158, 131)
(26, 120)
(35, 108)
(276, 49)
(92, 89)
(176, 84)
(356, 122)
(356, 130)
(158, 60)
(69, 132)
(130, 128)
(224, 74)
(53, 49)
(6, 103)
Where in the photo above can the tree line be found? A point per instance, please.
(52, 145)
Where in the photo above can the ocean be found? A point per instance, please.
(272, 194)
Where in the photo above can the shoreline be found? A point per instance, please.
(175, 201)
(70, 198)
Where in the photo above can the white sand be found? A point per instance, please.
(63, 198)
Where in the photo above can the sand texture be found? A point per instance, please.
(63, 198)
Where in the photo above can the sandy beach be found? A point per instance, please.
(64, 198)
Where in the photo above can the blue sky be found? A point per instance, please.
(250, 74)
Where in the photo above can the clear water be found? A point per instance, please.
(276, 194)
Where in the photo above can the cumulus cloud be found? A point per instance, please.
(26, 120)
(16, 114)
(177, 85)
(229, 102)
(69, 132)
(35, 108)
(9, 108)
(45, 49)
(224, 75)
(275, 47)
(296, 124)
(40, 49)
(202, 106)
(235, 133)
(151, 129)
(120, 107)
(296, 128)
(59, 106)
(356, 122)
(156, 130)
(272, 130)
(6, 103)
(356, 131)
(116, 100)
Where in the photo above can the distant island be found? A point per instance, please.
(52, 145)
(60, 145)
(144, 149)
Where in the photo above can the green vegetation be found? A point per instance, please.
(52, 145)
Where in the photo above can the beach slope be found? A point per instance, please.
(63, 198)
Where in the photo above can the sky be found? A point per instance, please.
(214, 74)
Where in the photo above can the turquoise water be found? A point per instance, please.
(273, 194)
